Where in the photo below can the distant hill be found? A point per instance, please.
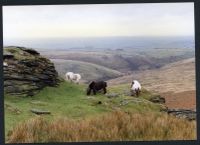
(124, 60)
(88, 71)
(173, 77)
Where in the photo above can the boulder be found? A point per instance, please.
(157, 99)
(27, 72)
(40, 112)
(183, 113)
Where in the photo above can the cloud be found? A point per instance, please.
(163, 19)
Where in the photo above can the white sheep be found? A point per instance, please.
(73, 77)
(135, 88)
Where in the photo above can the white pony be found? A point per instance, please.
(5, 64)
(135, 88)
(73, 77)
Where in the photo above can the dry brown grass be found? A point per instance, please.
(174, 77)
(116, 126)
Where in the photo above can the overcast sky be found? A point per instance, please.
(164, 19)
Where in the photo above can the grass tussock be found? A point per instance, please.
(116, 126)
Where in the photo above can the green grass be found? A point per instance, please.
(70, 100)
(20, 54)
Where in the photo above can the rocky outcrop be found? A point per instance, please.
(157, 99)
(27, 71)
(183, 113)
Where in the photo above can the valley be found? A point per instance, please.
(104, 72)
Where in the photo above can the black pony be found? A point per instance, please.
(96, 86)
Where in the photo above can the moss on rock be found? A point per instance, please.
(27, 71)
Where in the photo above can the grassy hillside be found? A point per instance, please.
(88, 71)
(70, 100)
(174, 81)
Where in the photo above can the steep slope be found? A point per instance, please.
(70, 100)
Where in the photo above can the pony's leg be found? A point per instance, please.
(89, 91)
(104, 90)
(137, 92)
(132, 93)
(94, 91)
(68, 78)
